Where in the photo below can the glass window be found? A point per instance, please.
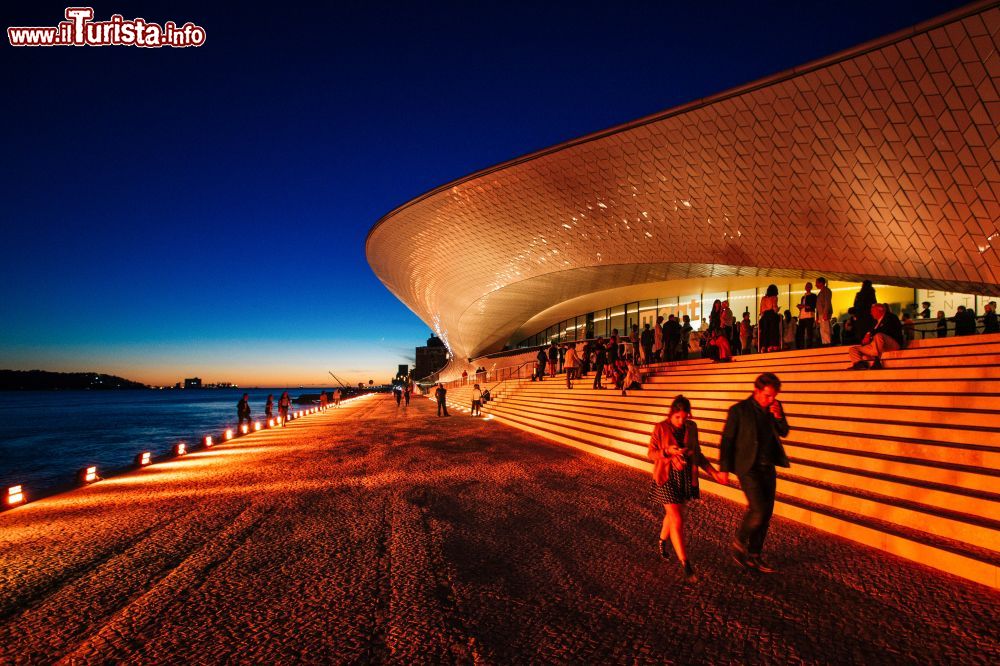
(647, 313)
(691, 306)
(667, 307)
(600, 324)
(617, 320)
(744, 300)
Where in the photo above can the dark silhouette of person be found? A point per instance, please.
(441, 395)
(243, 410)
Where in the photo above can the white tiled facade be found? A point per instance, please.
(882, 163)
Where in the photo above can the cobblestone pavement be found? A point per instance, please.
(378, 534)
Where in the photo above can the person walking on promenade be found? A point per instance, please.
(990, 323)
(751, 447)
(407, 391)
(477, 401)
(658, 354)
(885, 337)
(769, 335)
(441, 395)
(863, 302)
(600, 358)
(269, 408)
(284, 404)
(824, 312)
(805, 331)
(243, 411)
(323, 400)
(572, 364)
(397, 393)
(676, 455)
(336, 397)
(647, 340)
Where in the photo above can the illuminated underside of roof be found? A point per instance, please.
(878, 163)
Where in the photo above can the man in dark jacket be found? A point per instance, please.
(541, 358)
(440, 394)
(646, 340)
(990, 323)
(751, 447)
(887, 335)
(243, 411)
(671, 338)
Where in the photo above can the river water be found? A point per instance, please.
(46, 436)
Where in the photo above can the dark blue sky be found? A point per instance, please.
(170, 212)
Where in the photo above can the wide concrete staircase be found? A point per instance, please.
(905, 459)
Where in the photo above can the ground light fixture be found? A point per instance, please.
(256, 426)
(208, 441)
(180, 449)
(270, 423)
(229, 434)
(143, 459)
(15, 496)
(244, 428)
(87, 475)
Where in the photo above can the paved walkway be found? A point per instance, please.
(372, 534)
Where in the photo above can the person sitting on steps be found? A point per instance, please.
(886, 336)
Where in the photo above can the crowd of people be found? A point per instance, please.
(870, 328)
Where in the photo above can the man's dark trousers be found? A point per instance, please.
(442, 406)
(758, 485)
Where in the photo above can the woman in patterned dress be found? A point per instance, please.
(676, 457)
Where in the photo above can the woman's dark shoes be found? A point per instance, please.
(860, 365)
(739, 554)
(665, 549)
(690, 576)
(876, 364)
(756, 563)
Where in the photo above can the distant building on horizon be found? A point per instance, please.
(430, 358)
(192, 383)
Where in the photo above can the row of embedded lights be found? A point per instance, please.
(87, 475)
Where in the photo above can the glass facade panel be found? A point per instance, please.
(691, 306)
(600, 324)
(617, 320)
(948, 301)
(667, 306)
(647, 313)
(744, 300)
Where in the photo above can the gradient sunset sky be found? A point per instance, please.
(170, 213)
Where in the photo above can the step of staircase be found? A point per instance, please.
(906, 458)
(955, 556)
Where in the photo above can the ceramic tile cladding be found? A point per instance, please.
(880, 163)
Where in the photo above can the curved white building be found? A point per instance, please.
(880, 163)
